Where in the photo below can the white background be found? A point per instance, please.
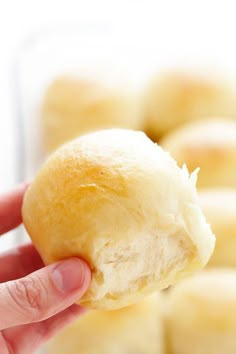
(187, 28)
(208, 24)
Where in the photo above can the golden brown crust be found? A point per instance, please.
(177, 98)
(210, 145)
(219, 207)
(73, 106)
(120, 202)
(134, 329)
(201, 314)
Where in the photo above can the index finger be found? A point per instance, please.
(10, 208)
(19, 262)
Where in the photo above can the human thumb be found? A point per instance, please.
(43, 293)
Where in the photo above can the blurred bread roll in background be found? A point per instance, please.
(120, 202)
(133, 330)
(74, 106)
(180, 97)
(219, 207)
(201, 314)
(210, 145)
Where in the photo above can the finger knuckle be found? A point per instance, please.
(30, 296)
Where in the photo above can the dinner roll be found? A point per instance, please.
(210, 145)
(219, 207)
(74, 106)
(133, 330)
(180, 97)
(120, 202)
(201, 314)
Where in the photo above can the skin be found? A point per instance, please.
(35, 301)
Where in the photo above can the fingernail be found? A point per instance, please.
(70, 275)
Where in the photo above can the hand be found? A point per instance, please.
(35, 301)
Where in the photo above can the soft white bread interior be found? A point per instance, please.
(120, 202)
